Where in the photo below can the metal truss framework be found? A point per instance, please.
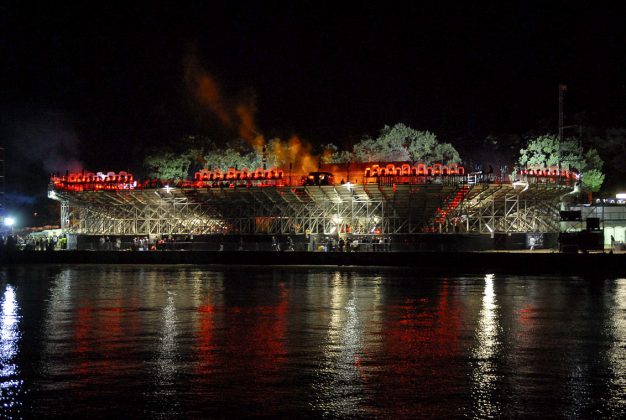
(505, 209)
(360, 209)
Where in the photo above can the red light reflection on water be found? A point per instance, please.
(261, 335)
(205, 342)
(82, 341)
(242, 343)
(99, 339)
(414, 329)
(421, 341)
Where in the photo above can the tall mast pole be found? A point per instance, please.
(562, 89)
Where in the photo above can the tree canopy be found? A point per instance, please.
(399, 143)
(547, 150)
(168, 165)
(224, 158)
(611, 145)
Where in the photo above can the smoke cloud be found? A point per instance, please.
(237, 116)
(46, 141)
(295, 152)
(206, 90)
(240, 117)
(35, 147)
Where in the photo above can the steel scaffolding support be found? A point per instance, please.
(504, 209)
(361, 209)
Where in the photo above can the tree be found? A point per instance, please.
(612, 149)
(546, 150)
(593, 179)
(168, 165)
(236, 153)
(229, 157)
(332, 154)
(399, 143)
(444, 153)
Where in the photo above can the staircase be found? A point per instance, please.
(452, 204)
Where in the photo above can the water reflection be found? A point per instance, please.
(166, 366)
(208, 299)
(617, 351)
(163, 393)
(339, 382)
(57, 338)
(10, 382)
(422, 340)
(207, 342)
(485, 369)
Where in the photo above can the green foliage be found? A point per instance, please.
(230, 157)
(444, 152)
(593, 179)
(611, 147)
(274, 146)
(540, 151)
(379, 150)
(332, 154)
(546, 150)
(399, 143)
(168, 165)
(593, 160)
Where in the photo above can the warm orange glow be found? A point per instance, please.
(247, 128)
(294, 152)
(240, 115)
(88, 181)
(206, 90)
(551, 172)
(406, 170)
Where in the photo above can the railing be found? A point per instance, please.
(159, 183)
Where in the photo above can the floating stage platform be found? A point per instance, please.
(393, 203)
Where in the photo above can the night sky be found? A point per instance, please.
(99, 84)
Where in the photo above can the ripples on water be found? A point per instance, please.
(196, 341)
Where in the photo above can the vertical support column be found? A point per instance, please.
(65, 216)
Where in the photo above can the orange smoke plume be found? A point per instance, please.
(247, 128)
(241, 114)
(206, 90)
(207, 93)
(295, 152)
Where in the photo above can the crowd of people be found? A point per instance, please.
(143, 243)
(375, 244)
(282, 243)
(16, 242)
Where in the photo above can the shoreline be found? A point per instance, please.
(536, 262)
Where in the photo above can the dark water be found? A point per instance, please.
(160, 342)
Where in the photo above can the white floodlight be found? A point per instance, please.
(521, 184)
(621, 196)
(9, 221)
